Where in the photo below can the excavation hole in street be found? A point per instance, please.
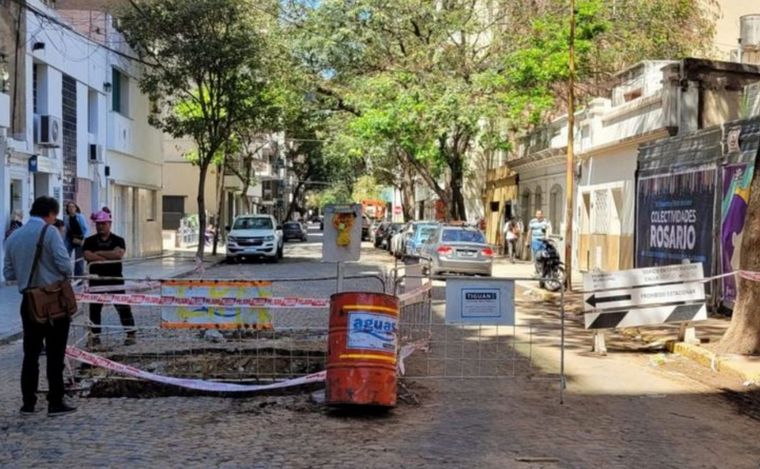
(261, 365)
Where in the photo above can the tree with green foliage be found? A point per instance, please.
(204, 60)
(433, 80)
(332, 195)
(366, 188)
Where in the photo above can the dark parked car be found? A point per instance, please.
(377, 236)
(294, 230)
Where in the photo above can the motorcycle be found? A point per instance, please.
(549, 266)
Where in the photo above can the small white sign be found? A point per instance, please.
(342, 235)
(372, 331)
(480, 301)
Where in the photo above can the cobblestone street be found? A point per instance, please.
(620, 411)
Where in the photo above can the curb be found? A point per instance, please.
(697, 354)
(712, 360)
(216, 263)
(5, 340)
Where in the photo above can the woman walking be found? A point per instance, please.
(76, 232)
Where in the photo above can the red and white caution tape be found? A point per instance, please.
(128, 287)
(407, 350)
(415, 295)
(196, 384)
(158, 300)
(747, 275)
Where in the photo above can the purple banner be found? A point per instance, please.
(737, 179)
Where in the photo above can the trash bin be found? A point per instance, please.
(361, 350)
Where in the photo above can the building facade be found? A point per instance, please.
(80, 129)
(270, 191)
(652, 100)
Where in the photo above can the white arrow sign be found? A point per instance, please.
(661, 294)
(645, 316)
(639, 277)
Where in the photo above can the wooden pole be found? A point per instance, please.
(570, 169)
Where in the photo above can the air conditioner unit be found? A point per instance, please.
(47, 131)
(96, 153)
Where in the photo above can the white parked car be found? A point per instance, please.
(398, 241)
(255, 236)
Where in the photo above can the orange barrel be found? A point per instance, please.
(361, 349)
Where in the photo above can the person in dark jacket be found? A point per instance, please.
(76, 232)
(16, 223)
(104, 251)
(54, 266)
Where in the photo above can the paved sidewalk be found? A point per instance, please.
(659, 337)
(171, 264)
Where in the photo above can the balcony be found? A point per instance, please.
(120, 133)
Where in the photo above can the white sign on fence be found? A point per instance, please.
(642, 277)
(480, 301)
(632, 297)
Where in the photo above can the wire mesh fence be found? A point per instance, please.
(431, 348)
(293, 343)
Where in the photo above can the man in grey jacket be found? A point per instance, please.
(54, 266)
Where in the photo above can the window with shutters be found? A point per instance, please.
(120, 93)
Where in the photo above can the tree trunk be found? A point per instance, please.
(201, 199)
(456, 181)
(743, 335)
(293, 206)
(247, 184)
(428, 178)
(219, 207)
(455, 153)
(407, 192)
(457, 202)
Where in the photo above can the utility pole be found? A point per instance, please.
(570, 169)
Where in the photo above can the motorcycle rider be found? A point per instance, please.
(539, 229)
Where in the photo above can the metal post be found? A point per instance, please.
(600, 345)
(339, 277)
(687, 333)
(562, 345)
(570, 167)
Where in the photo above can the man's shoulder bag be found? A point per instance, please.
(50, 302)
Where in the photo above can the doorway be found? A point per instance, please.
(16, 195)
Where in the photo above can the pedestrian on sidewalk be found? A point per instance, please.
(512, 233)
(76, 232)
(16, 222)
(104, 252)
(53, 266)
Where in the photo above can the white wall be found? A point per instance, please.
(617, 167)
